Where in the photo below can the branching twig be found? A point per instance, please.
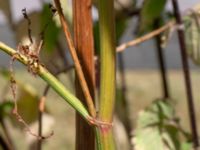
(78, 68)
(15, 110)
(51, 80)
(145, 37)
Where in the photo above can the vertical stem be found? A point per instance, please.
(107, 72)
(9, 142)
(39, 142)
(161, 62)
(4, 144)
(124, 113)
(107, 59)
(83, 41)
(40, 116)
(186, 74)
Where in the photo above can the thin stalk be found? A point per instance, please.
(7, 135)
(55, 84)
(3, 144)
(83, 41)
(123, 110)
(161, 62)
(107, 72)
(40, 116)
(148, 36)
(188, 85)
(78, 68)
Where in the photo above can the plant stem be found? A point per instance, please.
(3, 144)
(58, 87)
(7, 135)
(148, 36)
(83, 41)
(40, 116)
(122, 107)
(161, 62)
(78, 68)
(107, 71)
(182, 44)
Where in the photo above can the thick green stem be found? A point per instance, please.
(107, 82)
(52, 81)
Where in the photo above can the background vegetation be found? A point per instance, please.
(142, 109)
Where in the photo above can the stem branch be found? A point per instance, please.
(51, 80)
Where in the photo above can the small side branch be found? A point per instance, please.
(145, 37)
(57, 86)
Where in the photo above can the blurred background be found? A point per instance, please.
(140, 77)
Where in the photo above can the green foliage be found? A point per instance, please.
(192, 36)
(5, 73)
(6, 108)
(27, 102)
(151, 10)
(157, 129)
(120, 26)
(52, 31)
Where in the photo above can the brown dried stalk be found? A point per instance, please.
(78, 68)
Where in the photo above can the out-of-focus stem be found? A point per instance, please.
(182, 44)
(161, 62)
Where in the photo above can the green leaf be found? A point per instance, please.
(52, 31)
(148, 139)
(151, 10)
(5, 73)
(121, 25)
(147, 119)
(6, 109)
(27, 102)
(192, 36)
(164, 109)
(156, 128)
(186, 146)
(168, 141)
(156, 113)
(173, 133)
